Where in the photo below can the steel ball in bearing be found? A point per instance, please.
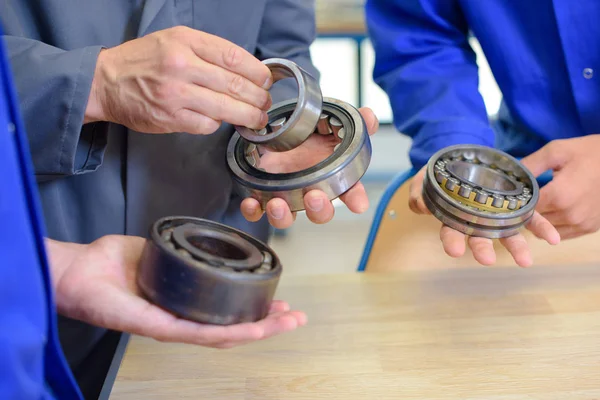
(479, 191)
(335, 175)
(208, 272)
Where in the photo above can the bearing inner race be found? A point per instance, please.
(479, 191)
(304, 118)
(333, 175)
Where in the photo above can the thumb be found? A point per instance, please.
(546, 158)
(415, 199)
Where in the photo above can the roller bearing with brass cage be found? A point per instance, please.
(479, 191)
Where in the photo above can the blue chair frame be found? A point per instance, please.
(395, 184)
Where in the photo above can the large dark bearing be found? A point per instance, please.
(479, 191)
(334, 175)
(208, 272)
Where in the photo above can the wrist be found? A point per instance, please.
(60, 257)
(94, 111)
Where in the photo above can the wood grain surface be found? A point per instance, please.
(469, 333)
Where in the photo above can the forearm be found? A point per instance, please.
(426, 66)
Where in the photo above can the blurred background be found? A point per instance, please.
(344, 56)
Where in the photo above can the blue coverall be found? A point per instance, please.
(32, 365)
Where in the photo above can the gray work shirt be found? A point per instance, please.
(102, 178)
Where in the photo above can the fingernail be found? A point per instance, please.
(277, 213)
(315, 204)
(268, 83)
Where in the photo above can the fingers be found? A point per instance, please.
(415, 199)
(453, 241)
(370, 120)
(548, 157)
(278, 306)
(483, 250)
(221, 107)
(279, 214)
(318, 207)
(191, 122)
(571, 232)
(233, 85)
(356, 199)
(251, 209)
(543, 229)
(231, 57)
(553, 197)
(519, 249)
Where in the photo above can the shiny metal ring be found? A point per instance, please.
(479, 191)
(334, 175)
(207, 272)
(302, 122)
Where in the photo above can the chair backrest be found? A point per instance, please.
(400, 240)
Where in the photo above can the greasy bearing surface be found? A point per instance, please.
(479, 191)
(303, 120)
(208, 272)
(334, 176)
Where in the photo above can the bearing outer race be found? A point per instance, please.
(200, 292)
(467, 220)
(334, 175)
(305, 117)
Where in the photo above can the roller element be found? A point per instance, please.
(337, 146)
(262, 132)
(267, 258)
(166, 235)
(469, 156)
(523, 199)
(323, 127)
(451, 183)
(440, 165)
(456, 155)
(341, 133)
(526, 190)
(481, 196)
(441, 175)
(264, 268)
(184, 253)
(252, 155)
(498, 201)
(512, 202)
(277, 124)
(335, 125)
(465, 191)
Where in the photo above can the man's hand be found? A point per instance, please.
(318, 207)
(179, 80)
(96, 283)
(482, 248)
(570, 200)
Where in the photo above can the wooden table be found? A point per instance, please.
(482, 333)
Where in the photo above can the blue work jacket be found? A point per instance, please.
(543, 54)
(32, 365)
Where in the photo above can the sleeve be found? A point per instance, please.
(288, 29)
(53, 87)
(424, 62)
